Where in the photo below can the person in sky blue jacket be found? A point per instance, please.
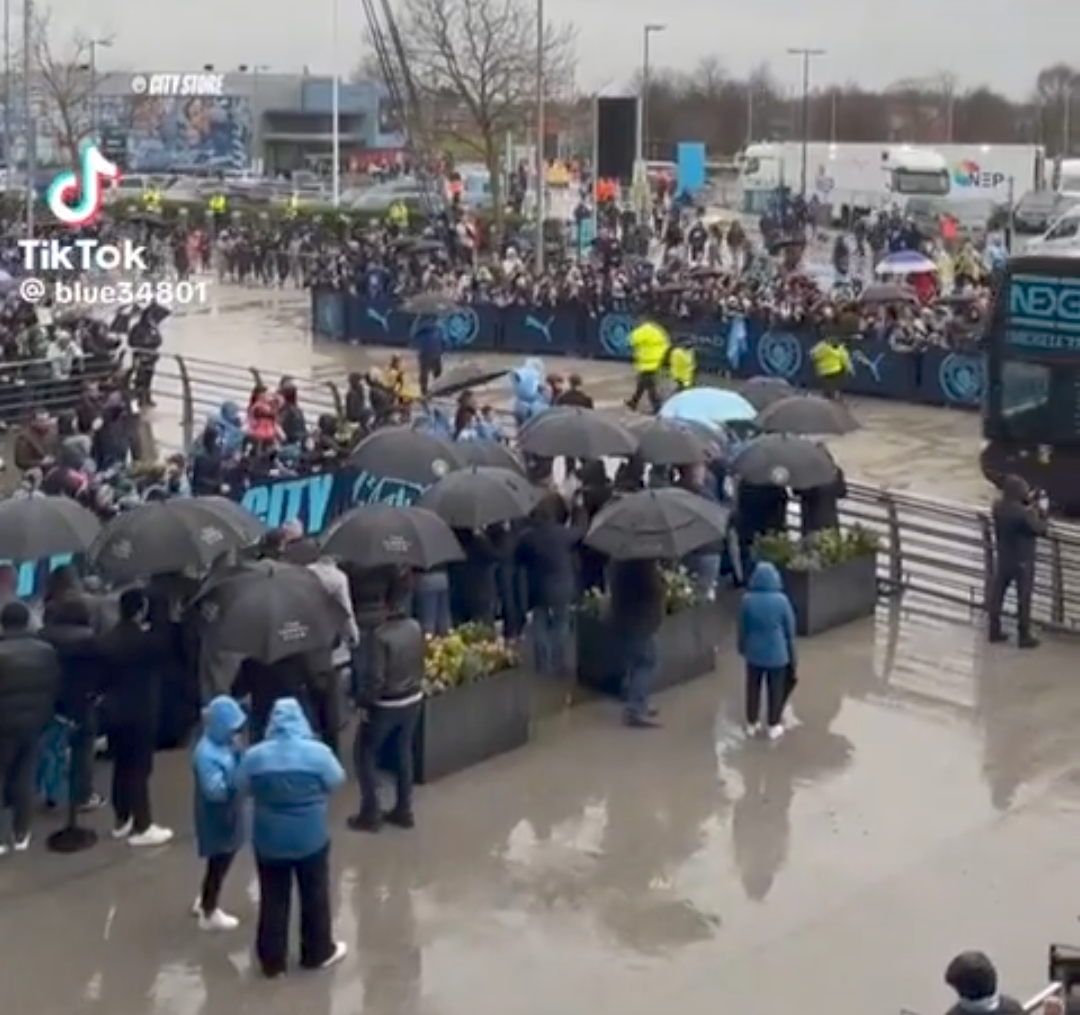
(767, 643)
(290, 776)
(220, 825)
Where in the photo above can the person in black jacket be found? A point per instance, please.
(69, 628)
(29, 683)
(637, 610)
(131, 654)
(391, 694)
(1018, 523)
(472, 582)
(546, 551)
(974, 978)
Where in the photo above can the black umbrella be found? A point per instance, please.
(171, 535)
(38, 526)
(780, 460)
(462, 376)
(657, 525)
(268, 610)
(578, 433)
(807, 414)
(408, 455)
(376, 535)
(250, 527)
(475, 498)
(489, 453)
(669, 441)
(761, 392)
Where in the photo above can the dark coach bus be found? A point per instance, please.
(1031, 412)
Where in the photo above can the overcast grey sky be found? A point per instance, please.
(1000, 42)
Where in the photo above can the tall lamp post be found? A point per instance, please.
(647, 32)
(540, 128)
(30, 122)
(806, 55)
(94, 45)
(335, 112)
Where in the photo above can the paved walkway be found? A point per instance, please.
(927, 803)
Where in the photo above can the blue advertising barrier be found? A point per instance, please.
(745, 349)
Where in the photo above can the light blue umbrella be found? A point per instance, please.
(712, 406)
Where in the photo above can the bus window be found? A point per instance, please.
(1025, 390)
(1064, 229)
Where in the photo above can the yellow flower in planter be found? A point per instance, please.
(465, 655)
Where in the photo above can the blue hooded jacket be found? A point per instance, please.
(766, 621)
(290, 776)
(220, 821)
(230, 425)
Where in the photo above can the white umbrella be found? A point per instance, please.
(905, 262)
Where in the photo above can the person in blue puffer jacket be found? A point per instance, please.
(229, 422)
(290, 776)
(767, 643)
(220, 823)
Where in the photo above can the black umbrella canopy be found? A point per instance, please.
(807, 415)
(662, 524)
(489, 453)
(269, 610)
(761, 392)
(402, 453)
(236, 516)
(377, 535)
(577, 433)
(781, 460)
(39, 526)
(475, 498)
(462, 376)
(173, 535)
(669, 442)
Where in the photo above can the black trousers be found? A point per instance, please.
(774, 681)
(133, 764)
(83, 745)
(216, 868)
(646, 385)
(312, 876)
(1022, 577)
(18, 757)
(324, 709)
(382, 725)
(430, 370)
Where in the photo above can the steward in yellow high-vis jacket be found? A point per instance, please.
(649, 344)
(832, 363)
(682, 366)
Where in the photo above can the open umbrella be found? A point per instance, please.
(401, 453)
(905, 262)
(662, 524)
(708, 405)
(462, 376)
(475, 498)
(377, 535)
(171, 535)
(578, 433)
(808, 414)
(268, 610)
(489, 453)
(761, 392)
(887, 292)
(780, 460)
(670, 441)
(38, 526)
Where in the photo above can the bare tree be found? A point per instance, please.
(475, 62)
(65, 75)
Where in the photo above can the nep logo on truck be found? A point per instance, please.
(971, 174)
(1044, 313)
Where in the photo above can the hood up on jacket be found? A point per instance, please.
(222, 719)
(765, 578)
(288, 722)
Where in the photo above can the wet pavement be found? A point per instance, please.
(902, 447)
(928, 802)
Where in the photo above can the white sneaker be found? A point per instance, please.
(153, 836)
(776, 732)
(218, 920)
(196, 906)
(22, 845)
(4, 849)
(752, 729)
(341, 949)
(124, 830)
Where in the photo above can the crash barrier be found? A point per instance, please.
(931, 376)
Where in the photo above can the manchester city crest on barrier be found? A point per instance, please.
(615, 334)
(459, 328)
(780, 354)
(961, 378)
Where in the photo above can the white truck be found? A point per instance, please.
(996, 173)
(847, 178)
(1066, 177)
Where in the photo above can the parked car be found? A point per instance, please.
(973, 218)
(1037, 210)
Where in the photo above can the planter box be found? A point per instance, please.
(834, 596)
(686, 648)
(469, 724)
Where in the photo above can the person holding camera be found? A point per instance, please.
(1018, 523)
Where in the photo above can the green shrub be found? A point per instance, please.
(817, 551)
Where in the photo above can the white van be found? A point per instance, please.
(1064, 234)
